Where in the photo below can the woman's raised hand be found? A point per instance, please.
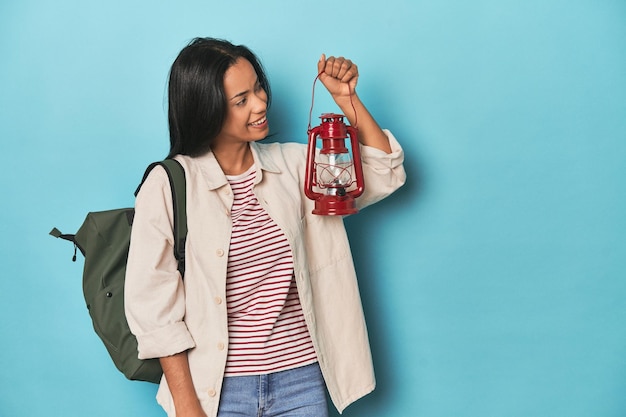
(339, 75)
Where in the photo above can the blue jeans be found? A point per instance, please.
(298, 392)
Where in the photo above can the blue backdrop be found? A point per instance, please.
(493, 282)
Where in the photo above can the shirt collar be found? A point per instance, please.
(214, 175)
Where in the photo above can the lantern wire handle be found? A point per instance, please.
(313, 102)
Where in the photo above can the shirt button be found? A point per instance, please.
(219, 252)
(218, 300)
(211, 392)
(220, 346)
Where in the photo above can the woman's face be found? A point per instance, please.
(246, 105)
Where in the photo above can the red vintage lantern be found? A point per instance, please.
(333, 178)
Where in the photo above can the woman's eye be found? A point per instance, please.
(241, 102)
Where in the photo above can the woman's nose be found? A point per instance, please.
(260, 100)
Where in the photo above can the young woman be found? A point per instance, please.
(268, 316)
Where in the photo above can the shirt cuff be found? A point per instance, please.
(379, 158)
(167, 341)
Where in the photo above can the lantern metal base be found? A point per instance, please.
(332, 205)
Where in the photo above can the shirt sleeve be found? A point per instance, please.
(383, 172)
(154, 292)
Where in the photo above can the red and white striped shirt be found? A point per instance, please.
(267, 331)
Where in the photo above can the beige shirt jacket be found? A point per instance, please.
(169, 316)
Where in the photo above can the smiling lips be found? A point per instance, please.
(259, 122)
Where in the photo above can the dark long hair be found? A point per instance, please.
(196, 99)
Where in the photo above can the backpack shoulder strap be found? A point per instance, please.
(176, 175)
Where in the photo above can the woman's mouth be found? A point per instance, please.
(262, 121)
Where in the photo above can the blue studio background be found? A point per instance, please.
(493, 282)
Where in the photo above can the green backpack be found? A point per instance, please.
(103, 239)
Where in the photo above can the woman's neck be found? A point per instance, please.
(235, 159)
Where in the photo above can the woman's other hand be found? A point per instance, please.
(339, 75)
